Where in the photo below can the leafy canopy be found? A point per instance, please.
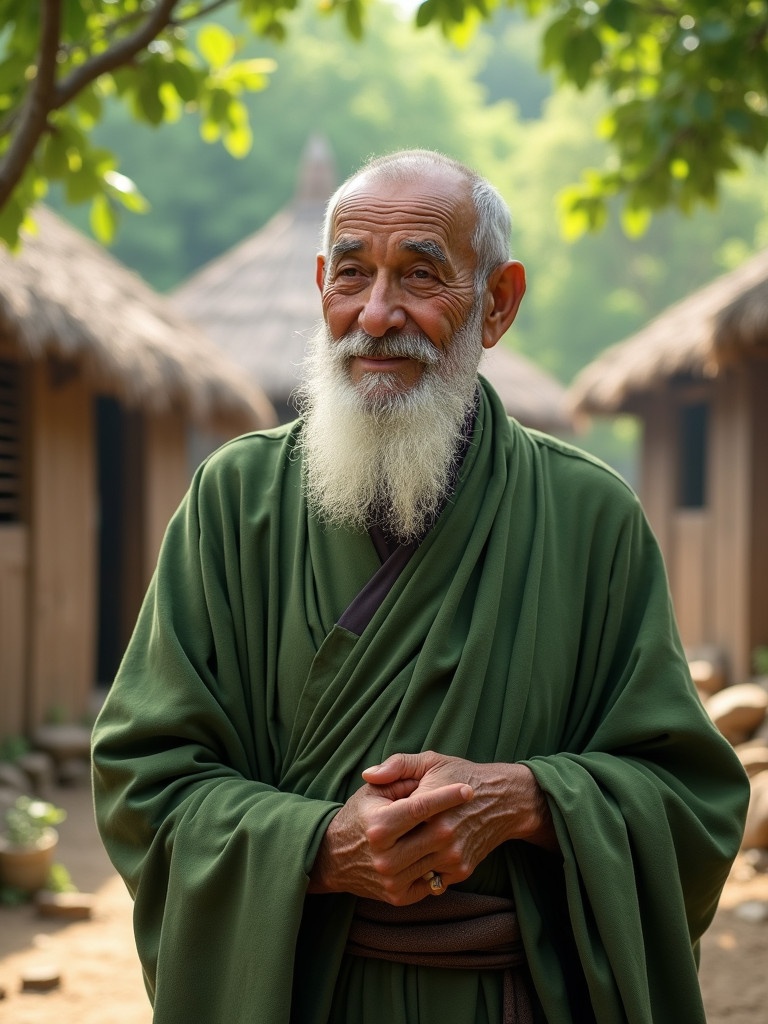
(687, 82)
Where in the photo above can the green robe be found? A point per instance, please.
(532, 624)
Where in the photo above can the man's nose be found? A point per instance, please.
(382, 309)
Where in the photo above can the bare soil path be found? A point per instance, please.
(101, 978)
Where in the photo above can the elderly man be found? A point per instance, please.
(405, 734)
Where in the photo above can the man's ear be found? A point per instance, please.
(320, 272)
(505, 290)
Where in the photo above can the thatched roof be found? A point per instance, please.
(723, 322)
(529, 394)
(259, 303)
(63, 296)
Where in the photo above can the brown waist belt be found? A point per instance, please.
(462, 930)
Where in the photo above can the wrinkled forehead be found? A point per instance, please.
(436, 200)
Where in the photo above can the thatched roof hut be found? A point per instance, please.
(697, 379)
(259, 303)
(100, 381)
(723, 322)
(65, 298)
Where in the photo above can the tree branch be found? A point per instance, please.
(33, 119)
(118, 55)
(202, 13)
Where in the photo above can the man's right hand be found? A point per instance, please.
(361, 852)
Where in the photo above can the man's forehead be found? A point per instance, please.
(426, 214)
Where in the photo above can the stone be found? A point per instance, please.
(12, 777)
(66, 745)
(40, 978)
(738, 711)
(756, 827)
(38, 768)
(753, 756)
(70, 906)
(707, 666)
(754, 911)
(707, 678)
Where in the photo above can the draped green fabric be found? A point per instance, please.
(532, 624)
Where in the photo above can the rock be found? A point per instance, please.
(753, 756)
(738, 711)
(66, 744)
(39, 770)
(707, 668)
(754, 911)
(707, 678)
(40, 978)
(12, 777)
(756, 828)
(71, 906)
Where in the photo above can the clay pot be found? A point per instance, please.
(28, 867)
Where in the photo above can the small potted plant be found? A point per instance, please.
(28, 843)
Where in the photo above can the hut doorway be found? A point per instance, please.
(120, 497)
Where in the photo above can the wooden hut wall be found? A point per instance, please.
(14, 533)
(758, 475)
(716, 555)
(62, 612)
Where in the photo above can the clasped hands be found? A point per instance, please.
(421, 813)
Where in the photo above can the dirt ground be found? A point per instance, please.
(101, 979)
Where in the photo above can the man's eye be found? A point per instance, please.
(422, 274)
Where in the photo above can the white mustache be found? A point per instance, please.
(396, 346)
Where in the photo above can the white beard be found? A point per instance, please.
(373, 452)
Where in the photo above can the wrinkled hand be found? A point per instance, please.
(507, 804)
(383, 840)
(427, 812)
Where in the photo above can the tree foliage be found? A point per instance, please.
(686, 80)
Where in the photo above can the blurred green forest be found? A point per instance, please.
(487, 104)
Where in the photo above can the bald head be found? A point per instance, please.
(490, 237)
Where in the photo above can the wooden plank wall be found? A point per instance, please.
(758, 541)
(13, 633)
(730, 503)
(62, 545)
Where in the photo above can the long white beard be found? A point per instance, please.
(374, 453)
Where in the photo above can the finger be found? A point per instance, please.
(399, 766)
(398, 818)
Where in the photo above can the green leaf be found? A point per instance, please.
(580, 55)
(616, 14)
(148, 99)
(425, 13)
(184, 79)
(82, 185)
(217, 46)
(125, 191)
(54, 161)
(11, 219)
(635, 221)
(238, 141)
(102, 219)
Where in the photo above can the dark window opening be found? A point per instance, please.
(694, 429)
(10, 443)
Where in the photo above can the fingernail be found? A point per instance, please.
(467, 792)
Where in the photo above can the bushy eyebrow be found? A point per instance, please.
(426, 248)
(342, 247)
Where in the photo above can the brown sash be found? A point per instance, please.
(463, 930)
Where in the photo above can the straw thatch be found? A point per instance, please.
(723, 322)
(259, 303)
(529, 394)
(64, 297)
